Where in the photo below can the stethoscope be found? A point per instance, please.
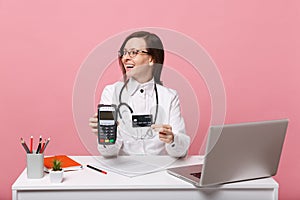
(149, 131)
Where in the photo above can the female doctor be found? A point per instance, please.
(141, 58)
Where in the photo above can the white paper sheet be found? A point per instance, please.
(132, 166)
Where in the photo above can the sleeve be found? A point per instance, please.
(107, 95)
(109, 150)
(181, 143)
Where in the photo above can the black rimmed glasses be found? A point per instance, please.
(132, 53)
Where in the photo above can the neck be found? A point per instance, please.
(143, 79)
(143, 76)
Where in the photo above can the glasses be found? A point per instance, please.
(132, 53)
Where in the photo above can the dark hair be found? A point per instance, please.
(155, 49)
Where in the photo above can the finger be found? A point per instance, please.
(158, 126)
(167, 126)
(154, 126)
(93, 125)
(166, 131)
(162, 130)
(158, 129)
(167, 137)
(164, 135)
(94, 117)
(93, 120)
(95, 131)
(166, 140)
(163, 139)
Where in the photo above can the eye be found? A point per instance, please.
(133, 53)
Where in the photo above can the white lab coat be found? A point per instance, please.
(137, 141)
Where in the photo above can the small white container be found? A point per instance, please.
(35, 165)
(56, 176)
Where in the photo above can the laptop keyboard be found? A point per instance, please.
(197, 174)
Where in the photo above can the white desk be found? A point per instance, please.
(90, 184)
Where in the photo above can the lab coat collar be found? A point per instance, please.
(133, 86)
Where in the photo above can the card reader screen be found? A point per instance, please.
(106, 115)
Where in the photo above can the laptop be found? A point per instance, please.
(237, 152)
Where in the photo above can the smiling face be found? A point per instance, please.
(138, 66)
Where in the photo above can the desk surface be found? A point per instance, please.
(93, 185)
(93, 180)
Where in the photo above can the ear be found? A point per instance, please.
(151, 61)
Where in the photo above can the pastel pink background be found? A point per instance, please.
(255, 45)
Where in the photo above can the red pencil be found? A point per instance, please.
(43, 146)
(99, 170)
(31, 143)
(46, 145)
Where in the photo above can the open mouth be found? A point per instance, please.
(129, 66)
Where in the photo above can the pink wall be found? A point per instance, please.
(255, 45)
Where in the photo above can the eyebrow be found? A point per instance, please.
(143, 49)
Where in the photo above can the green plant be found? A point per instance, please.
(56, 165)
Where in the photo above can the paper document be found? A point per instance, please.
(132, 166)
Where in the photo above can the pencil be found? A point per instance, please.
(99, 170)
(24, 145)
(39, 147)
(43, 146)
(46, 145)
(31, 143)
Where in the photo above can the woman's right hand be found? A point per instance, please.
(94, 123)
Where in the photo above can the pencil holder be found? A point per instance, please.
(35, 165)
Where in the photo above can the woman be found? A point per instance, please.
(141, 58)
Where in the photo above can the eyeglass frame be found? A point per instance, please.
(131, 53)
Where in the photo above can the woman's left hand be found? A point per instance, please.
(165, 132)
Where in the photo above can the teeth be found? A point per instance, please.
(129, 66)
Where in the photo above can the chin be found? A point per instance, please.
(129, 74)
